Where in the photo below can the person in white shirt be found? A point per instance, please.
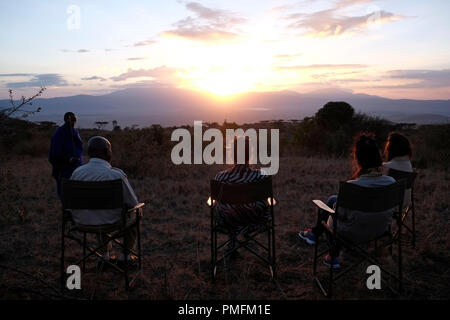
(398, 153)
(99, 169)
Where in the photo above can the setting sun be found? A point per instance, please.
(225, 83)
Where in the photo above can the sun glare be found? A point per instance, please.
(225, 83)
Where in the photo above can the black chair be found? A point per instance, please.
(98, 195)
(368, 201)
(238, 194)
(410, 178)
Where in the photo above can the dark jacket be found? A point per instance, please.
(66, 143)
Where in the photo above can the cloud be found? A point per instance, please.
(144, 43)
(424, 78)
(322, 66)
(16, 74)
(94, 78)
(136, 58)
(78, 51)
(207, 25)
(38, 80)
(161, 74)
(330, 22)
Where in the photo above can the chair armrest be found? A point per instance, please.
(209, 203)
(269, 202)
(323, 206)
(136, 207)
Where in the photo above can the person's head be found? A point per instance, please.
(70, 119)
(99, 147)
(365, 154)
(397, 145)
(245, 141)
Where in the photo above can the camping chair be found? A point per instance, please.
(235, 194)
(98, 195)
(410, 178)
(367, 201)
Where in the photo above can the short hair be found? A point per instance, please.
(246, 149)
(397, 145)
(366, 153)
(69, 115)
(98, 146)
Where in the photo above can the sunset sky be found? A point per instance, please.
(395, 48)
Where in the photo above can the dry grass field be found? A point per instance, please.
(176, 233)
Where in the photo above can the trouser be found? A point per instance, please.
(129, 238)
(324, 216)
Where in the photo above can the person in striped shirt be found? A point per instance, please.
(246, 217)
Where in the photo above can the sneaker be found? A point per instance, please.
(335, 263)
(308, 236)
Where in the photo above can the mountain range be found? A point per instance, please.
(173, 106)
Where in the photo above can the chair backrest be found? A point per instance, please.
(243, 193)
(92, 194)
(366, 213)
(366, 199)
(398, 175)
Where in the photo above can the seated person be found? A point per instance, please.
(366, 173)
(398, 153)
(99, 169)
(236, 218)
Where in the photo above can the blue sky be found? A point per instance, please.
(396, 48)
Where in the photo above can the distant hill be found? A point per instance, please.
(171, 106)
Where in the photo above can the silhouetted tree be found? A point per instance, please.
(158, 133)
(116, 126)
(334, 115)
(101, 124)
(19, 107)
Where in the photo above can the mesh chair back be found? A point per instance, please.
(92, 194)
(354, 197)
(398, 175)
(366, 213)
(235, 194)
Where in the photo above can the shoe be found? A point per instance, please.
(308, 236)
(335, 263)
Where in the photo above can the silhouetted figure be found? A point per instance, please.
(367, 167)
(99, 169)
(398, 154)
(241, 218)
(66, 150)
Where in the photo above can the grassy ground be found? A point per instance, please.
(175, 236)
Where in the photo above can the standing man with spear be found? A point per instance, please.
(66, 150)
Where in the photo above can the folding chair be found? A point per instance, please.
(236, 194)
(98, 195)
(368, 201)
(410, 178)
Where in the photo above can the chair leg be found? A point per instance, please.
(330, 283)
(315, 258)
(84, 251)
(400, 286)
(62, 256)
(274, 259)
(125, 265)
(138, 230)
(413, 226)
